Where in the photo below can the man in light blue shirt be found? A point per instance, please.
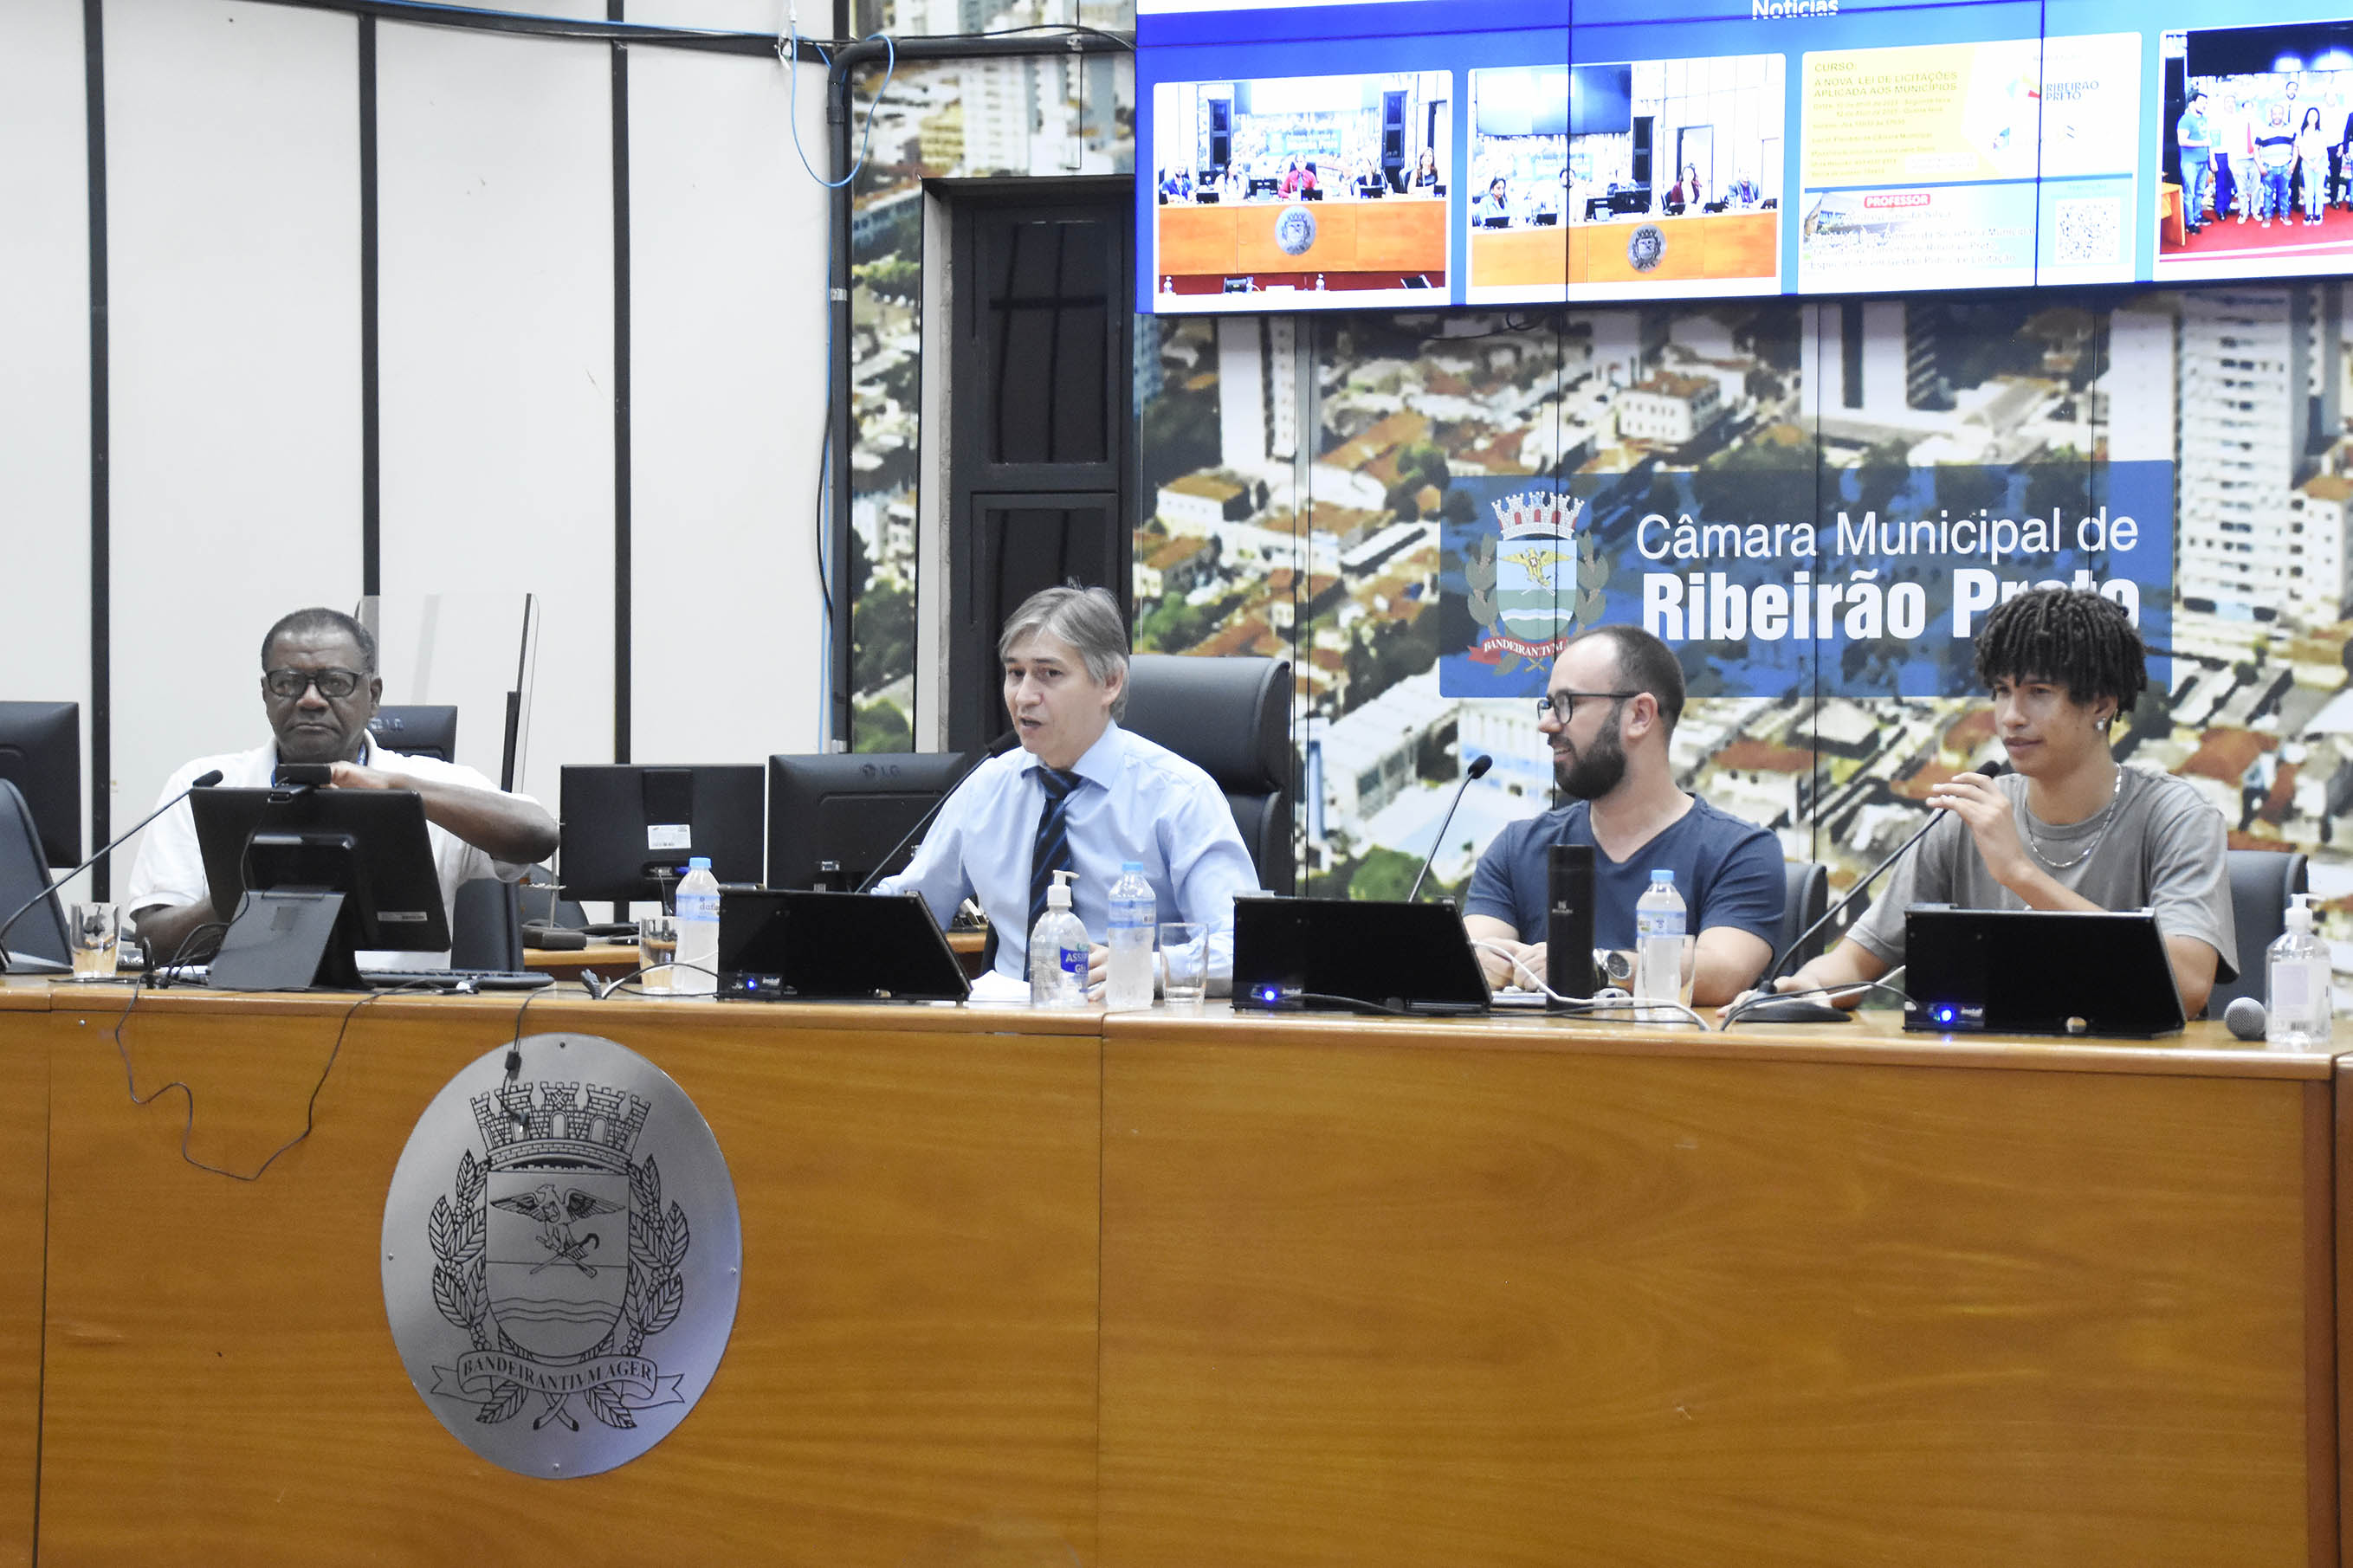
(1082, 793)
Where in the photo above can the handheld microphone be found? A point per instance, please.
(202, 781)
(1773, 971)
(996, 748)
(2246, 1019)
(1477, 770)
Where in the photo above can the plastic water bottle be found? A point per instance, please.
(2298, 984)
(1059, 950)
(1659, 942)
(1129, 985)
(697, 971)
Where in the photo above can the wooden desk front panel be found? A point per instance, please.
(1403, 234)
(1373, 1304)
(23, 1222)
(911, 1377)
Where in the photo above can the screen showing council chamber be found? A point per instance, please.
(1384, 153)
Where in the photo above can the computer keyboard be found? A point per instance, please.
(454, 979)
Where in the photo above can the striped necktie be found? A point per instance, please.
(1052, 852)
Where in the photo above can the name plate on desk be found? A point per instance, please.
(562, 1254)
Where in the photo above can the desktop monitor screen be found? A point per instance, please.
(40, 753)
(628, 831)
(268, 855)
(849, 807)
(1601, 101)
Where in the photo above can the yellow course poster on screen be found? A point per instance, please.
(1937, 111)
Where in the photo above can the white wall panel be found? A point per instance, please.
(43, 360)
(233, 202)
(496, 308)
(728, 326)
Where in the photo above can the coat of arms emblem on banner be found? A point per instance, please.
(1534, 581)
(558, 1269)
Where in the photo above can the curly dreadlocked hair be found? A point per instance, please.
(2069, 636)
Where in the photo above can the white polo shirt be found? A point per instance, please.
(170, 872)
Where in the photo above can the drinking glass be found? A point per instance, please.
(94, 931)
(1184, 957)
(657, 949)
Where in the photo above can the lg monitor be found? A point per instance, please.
(848, 809)
(628, 831)
(306, 879)
(40, 753)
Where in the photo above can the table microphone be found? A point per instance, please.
(1477, 770)
(202, 781)
(1992, 769)
(996, 748)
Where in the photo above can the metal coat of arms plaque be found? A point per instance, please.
(561, 1256)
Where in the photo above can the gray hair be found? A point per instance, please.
(1088, 619)
(315, 620)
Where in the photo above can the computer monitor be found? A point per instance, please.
(849, 809)
(40, 753)
(308, 877)
(629, 830)
(418, 730)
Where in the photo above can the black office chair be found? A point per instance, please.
(25, 871)
(1809, 885)
(2262, 880)
(1231, 717)
(418, 730)
(486, 926)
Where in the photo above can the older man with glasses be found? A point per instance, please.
(1615, 695)
(320, 688)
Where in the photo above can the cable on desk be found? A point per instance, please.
(1585, 1006)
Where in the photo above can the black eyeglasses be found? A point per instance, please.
(1564, 702)
(333, 684)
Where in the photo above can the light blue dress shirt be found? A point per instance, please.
(1137, 801)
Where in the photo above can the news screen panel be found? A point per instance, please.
(1392, 153)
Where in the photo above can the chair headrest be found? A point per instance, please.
(1229, 716)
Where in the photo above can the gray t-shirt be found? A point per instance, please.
(2163, 851)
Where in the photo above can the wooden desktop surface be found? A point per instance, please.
(1027, 1288)
(613, 958)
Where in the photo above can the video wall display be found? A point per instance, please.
(2258, 137)
(1291, 185)
(1657, 149)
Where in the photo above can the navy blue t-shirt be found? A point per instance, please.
(1727, 870)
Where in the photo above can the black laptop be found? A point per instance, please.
(1351, 954)
(2038, 972)
(801, 946)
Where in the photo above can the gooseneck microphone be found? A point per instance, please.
(1477, 770)
(1773, 971)
(202, 781)
(996, 748)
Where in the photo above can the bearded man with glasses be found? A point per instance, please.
(1609, 711)
(320, 688)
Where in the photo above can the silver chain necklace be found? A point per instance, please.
(2108, 815)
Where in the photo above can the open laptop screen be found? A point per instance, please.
(2038, 972)
(1334, 952)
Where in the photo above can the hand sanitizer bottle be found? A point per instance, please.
(2297, 983)
(1057, 951)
